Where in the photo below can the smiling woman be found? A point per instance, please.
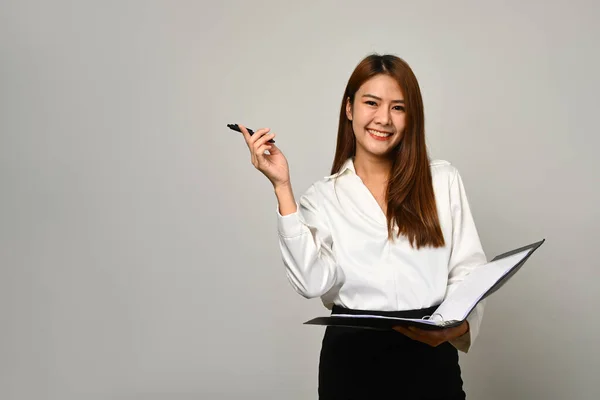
(388, 232)
(382, 122)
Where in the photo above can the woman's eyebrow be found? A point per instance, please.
(379, 98)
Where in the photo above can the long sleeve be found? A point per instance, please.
(307, 249)
(466, 254)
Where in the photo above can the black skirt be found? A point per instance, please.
(375, 364)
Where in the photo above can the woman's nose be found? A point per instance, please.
(383, 116)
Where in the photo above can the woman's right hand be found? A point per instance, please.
(274, 165)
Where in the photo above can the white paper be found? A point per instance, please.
(457, 305)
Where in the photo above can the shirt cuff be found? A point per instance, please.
(290, 225)
(465, 342)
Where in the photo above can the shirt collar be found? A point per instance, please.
(347, 166)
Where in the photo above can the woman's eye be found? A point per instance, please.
(371, 103)
(399, 108)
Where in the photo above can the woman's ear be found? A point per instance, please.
(348, 109)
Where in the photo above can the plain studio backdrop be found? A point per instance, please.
(139, 255)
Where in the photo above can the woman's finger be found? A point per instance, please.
(260, 152)
(257, 135)
(265, 138)
(250, 139)
(274, 149)
(245, 133)
(258, 156)
(418, 335)
(261, 157)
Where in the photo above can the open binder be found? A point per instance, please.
(457, 306)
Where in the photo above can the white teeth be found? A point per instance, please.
(380, 134)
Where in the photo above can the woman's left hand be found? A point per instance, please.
(434, 337)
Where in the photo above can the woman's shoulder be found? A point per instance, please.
(442, 171)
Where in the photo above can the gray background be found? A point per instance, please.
(139, 255)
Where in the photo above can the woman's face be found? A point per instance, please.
(377, 116)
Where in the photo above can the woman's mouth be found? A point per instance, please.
(379, 135)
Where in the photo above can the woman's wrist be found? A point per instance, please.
(285, 199)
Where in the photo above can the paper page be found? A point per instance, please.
(433, 321)
(475, 285)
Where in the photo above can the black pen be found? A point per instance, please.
(235, 127)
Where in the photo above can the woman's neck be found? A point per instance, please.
(372, 169)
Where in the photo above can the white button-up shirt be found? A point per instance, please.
(335, 247)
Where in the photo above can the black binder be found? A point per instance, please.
(436, 320)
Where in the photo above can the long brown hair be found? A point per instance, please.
(410, 198)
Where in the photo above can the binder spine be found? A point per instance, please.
(441, 322)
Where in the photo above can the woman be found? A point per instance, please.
(388, 232)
